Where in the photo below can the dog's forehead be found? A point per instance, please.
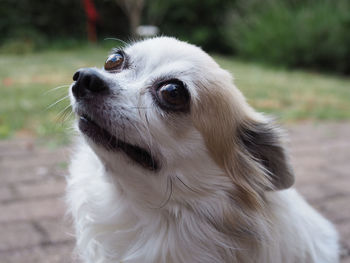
(166, 57)
(160, 51)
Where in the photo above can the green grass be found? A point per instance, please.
(26, 79)
(26, 91)
(291, 95)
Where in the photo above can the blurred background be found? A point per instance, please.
(290, 58)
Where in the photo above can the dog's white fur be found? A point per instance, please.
(211, 200)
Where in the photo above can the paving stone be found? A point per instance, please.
(57, 230)
(318, 176)
(50, 187)
(11, 175)
(59, 253)
(336, 209)
(32, 166)
(314, 193)
(344, 230)
(342, 169)
(16, 147)
(18, 235)
(6, 193)
(25, 174)
(31, 158)
(32, 210)
(340, 186)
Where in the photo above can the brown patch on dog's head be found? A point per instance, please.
(240, 141)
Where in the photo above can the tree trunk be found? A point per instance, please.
(133, 10)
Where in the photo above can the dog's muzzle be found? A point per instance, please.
(89, 89)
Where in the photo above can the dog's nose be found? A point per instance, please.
(88, 81)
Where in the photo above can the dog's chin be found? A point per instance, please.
(102, 137)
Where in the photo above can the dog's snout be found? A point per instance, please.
(88, 81)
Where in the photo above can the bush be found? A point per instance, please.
(59, 18)
(29, 25)
(295, 33)
(199, 22)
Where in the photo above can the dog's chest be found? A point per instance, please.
(158, 239)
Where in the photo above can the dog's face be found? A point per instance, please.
(162, 110)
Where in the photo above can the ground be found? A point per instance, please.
(32, 224)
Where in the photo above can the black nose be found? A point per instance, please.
(88, 81)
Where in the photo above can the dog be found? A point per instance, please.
(174, 166)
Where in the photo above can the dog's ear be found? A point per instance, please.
(263, 142)
(241, 141)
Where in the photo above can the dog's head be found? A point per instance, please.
(162, 110)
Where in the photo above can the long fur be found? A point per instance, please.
(222, 193)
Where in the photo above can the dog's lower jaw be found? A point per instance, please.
(113, 228)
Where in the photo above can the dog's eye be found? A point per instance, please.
(173, 96)
(114, 62)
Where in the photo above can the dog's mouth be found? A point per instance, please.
(102, 137)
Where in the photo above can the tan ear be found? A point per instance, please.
(263, 142)
(241, 141)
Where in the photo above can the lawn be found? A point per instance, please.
(29, 86)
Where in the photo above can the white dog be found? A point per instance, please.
(174, 166)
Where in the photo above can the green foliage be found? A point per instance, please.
(293, 33)
(33, 23)
(309, 33)
(30, 25)
(199, 22)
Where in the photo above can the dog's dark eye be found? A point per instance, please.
(173, 96)
(114, 62)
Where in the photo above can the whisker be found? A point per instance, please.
(53, 104)
(65, 116)
(65, 108)
(150, 139)
(62, 116)
(150, 144)
(59, 87)
(169, 197)
(109, 143)
(139, 108)
(111, 137)
(68, 116)
(191, 189)
(116, 39)
(147, 142)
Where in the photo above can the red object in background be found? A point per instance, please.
(92, 17)
(90, 10)
(7, 82)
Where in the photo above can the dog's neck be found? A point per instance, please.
(213, 219)
(205, 227)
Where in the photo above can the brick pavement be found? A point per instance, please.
(32, 225)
